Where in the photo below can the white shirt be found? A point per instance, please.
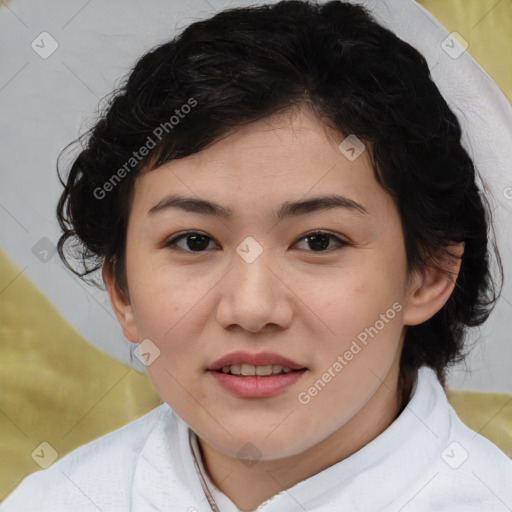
(426, 460)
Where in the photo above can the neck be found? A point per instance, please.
(248, 487)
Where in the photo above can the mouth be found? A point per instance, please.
(262, 364)
(258, 375)
(249, 370)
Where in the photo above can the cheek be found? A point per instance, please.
(169, 309)
(349, 303)
(363, 313)
(164, 299)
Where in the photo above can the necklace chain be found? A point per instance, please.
(207, 493)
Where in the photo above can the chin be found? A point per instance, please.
(262, 446)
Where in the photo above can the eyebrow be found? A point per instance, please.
(287, 209)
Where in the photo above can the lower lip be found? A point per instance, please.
(256, 387)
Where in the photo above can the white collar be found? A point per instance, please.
(165, 477)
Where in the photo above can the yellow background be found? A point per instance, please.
(486, 25)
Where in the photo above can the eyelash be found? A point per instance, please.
(171, 243)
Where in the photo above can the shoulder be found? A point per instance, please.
(96, 475)
(467, 472)
(477, 455)
(473, 458)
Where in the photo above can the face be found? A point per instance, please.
(204, 287)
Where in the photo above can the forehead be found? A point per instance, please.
(264, 164)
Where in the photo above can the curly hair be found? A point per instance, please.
(244, 64)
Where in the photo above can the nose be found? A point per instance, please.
(255, 295)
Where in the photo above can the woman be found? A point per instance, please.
(291, 235)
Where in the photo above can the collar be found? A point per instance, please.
(165, 476)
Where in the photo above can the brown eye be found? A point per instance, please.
(319, 241)
(194, 242)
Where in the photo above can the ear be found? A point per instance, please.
(120, 304)
(429, 291)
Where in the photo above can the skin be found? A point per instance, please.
(295, 300)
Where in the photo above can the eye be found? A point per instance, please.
(319, 241)
(195, 241)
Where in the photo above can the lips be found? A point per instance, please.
(234, 374)
(259, 359)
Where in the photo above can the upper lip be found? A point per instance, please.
(259, 359)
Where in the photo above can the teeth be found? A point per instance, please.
(248, 370)
(264, 370)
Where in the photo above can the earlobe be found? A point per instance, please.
(120, 304)
(430, 291)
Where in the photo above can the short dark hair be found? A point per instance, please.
(359, 78)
